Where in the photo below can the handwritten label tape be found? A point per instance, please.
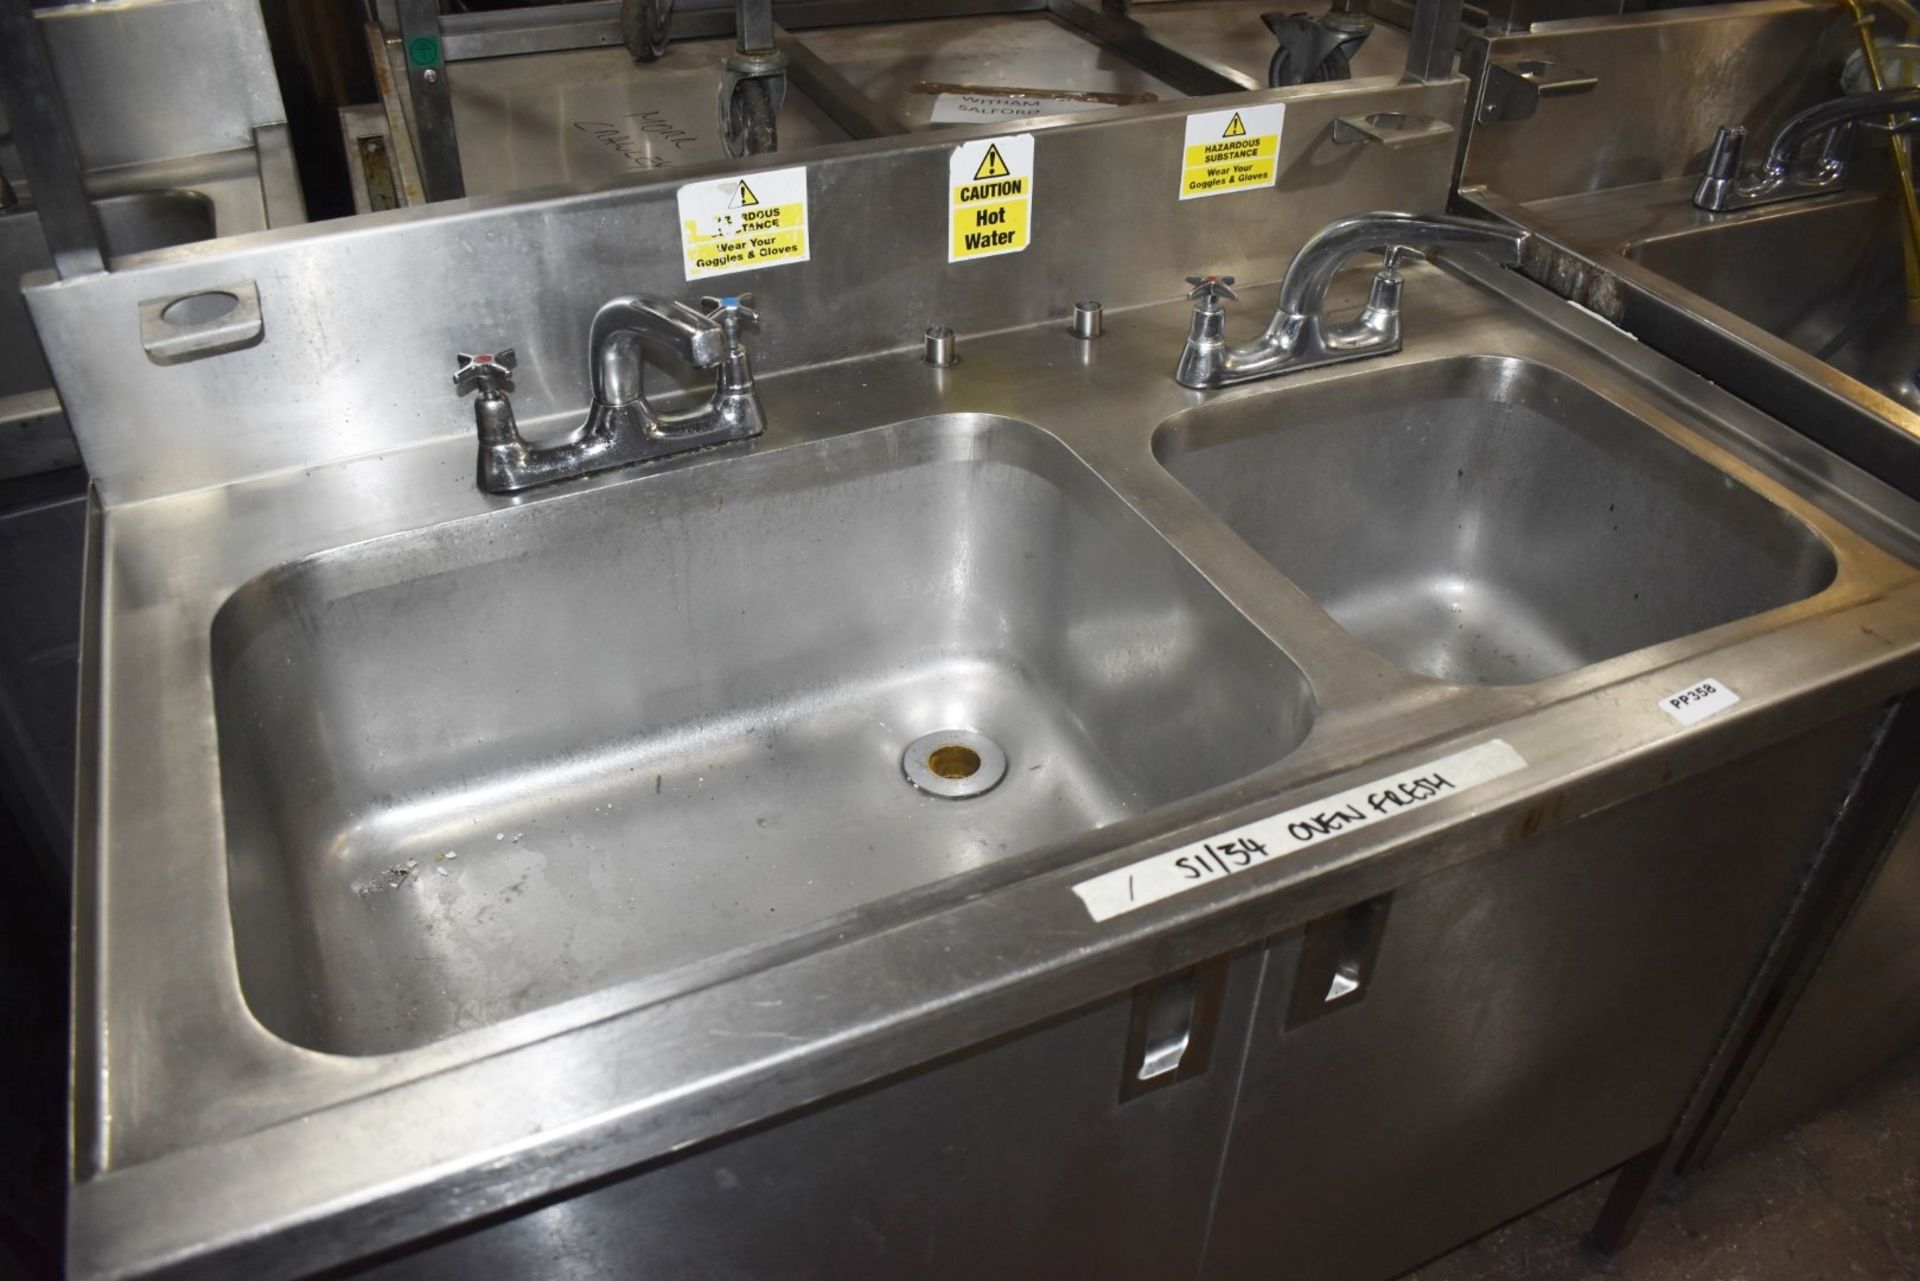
(1162, 876)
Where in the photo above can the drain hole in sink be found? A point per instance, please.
(954, 763)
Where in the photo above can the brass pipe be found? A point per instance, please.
(1902, 164)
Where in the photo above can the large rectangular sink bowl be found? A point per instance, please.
(476, 770)
(1823, 276)
(1490, 521)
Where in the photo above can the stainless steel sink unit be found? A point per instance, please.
(572, 873)
(1784, 173)
(1800, 308)
(1301, 336)
(129, 224)
(1797, 305)
(33, 433)
(1840, 303)
(696, 744)
(163, 160)
(1467, 488)
(34, 436)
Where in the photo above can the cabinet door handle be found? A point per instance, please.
(1337, 954)
(1171, 1032)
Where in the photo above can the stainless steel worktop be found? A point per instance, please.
(1796, 307)
(224, 1120)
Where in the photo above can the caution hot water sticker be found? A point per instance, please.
(1234, 150)
(990, 197)
(738, 224)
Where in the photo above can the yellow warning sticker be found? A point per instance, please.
(1233, 150)
(740, 224)
(990, 197)
(992, 165)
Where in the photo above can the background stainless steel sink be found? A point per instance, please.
(1490, 521)
(485, 767)
(129, 224)
(1824, 276)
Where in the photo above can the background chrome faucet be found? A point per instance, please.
(1300, 336)
(621, 427)
(1783, 175)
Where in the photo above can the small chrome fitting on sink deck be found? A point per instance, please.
(1300, 336)
(621, 427)
(1088, 320)
(938, 350)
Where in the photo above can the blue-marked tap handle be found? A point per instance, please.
(740, 305)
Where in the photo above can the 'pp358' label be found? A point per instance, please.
(1698, 701)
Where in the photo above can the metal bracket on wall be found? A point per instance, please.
(207, 322)
(1515, 86)
(1390, 129)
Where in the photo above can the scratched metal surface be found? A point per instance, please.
(587, 114)
(889, 62)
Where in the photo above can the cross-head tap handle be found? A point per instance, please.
(491, 372)
(729, 306)
(1210, 291)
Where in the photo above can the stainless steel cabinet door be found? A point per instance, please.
(1529, 1020)
(1015, 1160)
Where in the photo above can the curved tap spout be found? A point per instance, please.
(1303, 292)
(1300, 336)
(1784, 174)
(623, 326)
(621, 427)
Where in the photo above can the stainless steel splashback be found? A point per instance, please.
(162, 79)
(362, 318)
(1661, 84)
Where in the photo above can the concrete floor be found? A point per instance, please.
(1836, 1197)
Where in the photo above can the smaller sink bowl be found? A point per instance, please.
(1824, 276)
(478, 769)
(1490, 521)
